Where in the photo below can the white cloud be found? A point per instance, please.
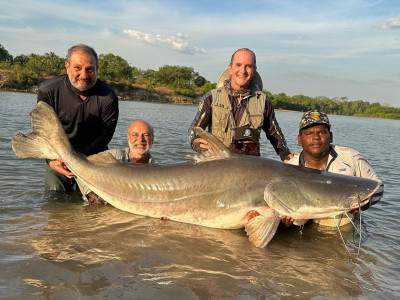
(342, 39)
(176, 42)
(393, 23)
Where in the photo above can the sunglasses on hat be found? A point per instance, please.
(240, 145)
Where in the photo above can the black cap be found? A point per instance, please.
(246, 133)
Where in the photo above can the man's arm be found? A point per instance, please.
(202, 119)
(364, 169)
(274, 133)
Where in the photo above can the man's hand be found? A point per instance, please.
(201, 143)
(287, 158)
(59, 166)
(287, 221)
(94, 199)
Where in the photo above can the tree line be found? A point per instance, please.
(335, 106)
(24, 71)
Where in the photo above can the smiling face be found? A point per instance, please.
(140, 138)
(82, 70)
(315, 141)
(242, 69)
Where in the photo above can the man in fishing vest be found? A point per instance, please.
(238, 101)
(318, 152)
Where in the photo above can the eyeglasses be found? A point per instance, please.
(240, 145)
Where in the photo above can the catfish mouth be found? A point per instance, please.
(370, 199)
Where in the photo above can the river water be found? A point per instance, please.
(54, 246)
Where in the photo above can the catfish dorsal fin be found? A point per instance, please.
(217, 149)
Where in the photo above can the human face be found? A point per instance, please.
(245, 147)
(242, 70)
(140, 139)
(315, 141)
(82, 70)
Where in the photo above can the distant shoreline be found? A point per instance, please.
(140, 95)
(165, 96)
(125, 97)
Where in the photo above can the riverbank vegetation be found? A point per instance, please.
(168, 84)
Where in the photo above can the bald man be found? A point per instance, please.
(140, 138)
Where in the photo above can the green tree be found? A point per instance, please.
(4, 55)
(114, 68)
(48, 64)
(199, 81)
(116, 71)
(208, 86)
(185, 92)
(149, 76)
(281, 101)
(21, 59)
(175, 76)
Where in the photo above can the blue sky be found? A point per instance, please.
(342, 48)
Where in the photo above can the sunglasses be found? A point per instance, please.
(239, 145)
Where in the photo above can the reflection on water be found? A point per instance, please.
(121, 249)
(54, 246)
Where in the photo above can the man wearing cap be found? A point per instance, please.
(246, 141)
(238, 101)
(318, 153)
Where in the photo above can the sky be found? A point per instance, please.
(341, 48)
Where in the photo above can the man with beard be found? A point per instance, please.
(86, 107)
(140, 139)
(238, 101)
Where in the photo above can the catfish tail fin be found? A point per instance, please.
(48, 138)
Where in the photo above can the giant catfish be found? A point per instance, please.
(218, 189)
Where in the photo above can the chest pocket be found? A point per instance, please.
(254, 114)
(221, 112)
(221, 116)
(341, 168)
(255, 120)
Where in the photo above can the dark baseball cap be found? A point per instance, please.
(314, 117)
(246, 133)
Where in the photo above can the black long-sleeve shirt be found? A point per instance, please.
(270, 125)
(89, 124)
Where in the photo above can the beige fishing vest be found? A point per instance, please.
(223, 123)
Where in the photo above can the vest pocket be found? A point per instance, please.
(257, 120)
(220, 118)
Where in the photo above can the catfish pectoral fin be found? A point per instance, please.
(261, 229)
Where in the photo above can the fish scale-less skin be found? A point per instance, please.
(176, 192)
(202, 194)
(219, 190)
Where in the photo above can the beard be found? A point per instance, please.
(139, 149)
(82, 84)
